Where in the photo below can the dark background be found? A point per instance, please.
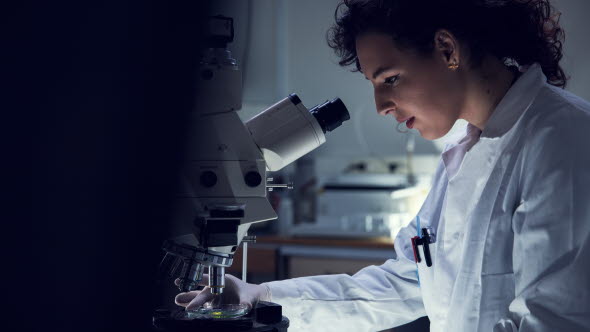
(95, 94)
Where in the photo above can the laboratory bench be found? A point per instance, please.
(279, 257)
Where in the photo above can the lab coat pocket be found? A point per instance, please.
(499, 290)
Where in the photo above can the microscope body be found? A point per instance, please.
(224, 186)
(223, 177)
(223, 192)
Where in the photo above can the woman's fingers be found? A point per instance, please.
(204, 296)
(183, 299)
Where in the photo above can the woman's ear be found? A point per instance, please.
(447, 46)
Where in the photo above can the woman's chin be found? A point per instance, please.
(426, 134)
(433, 133)
(430, 135)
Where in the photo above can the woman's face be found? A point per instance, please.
(421, 90)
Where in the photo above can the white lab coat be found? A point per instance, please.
(510, 208)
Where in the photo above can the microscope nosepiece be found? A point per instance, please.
(191, 275)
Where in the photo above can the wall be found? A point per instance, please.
(576, 60)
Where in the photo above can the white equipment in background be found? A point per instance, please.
(364, 206)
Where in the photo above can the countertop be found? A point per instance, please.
(372, 243)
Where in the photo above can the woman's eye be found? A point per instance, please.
(391, 80)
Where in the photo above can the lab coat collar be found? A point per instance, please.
(453, 157)
(516, 101)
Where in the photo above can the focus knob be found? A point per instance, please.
(208, 179)
(253, 179)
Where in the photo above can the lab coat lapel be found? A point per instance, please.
(468, 174)
(462, 240)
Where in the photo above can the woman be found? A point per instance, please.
(509, 211)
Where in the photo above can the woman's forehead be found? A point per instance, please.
(376, 50)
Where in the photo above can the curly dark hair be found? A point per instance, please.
(515, 31)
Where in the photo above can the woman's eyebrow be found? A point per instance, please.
(379, 71)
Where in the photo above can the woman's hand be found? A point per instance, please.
(235, 291)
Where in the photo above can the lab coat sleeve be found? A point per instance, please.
(551, 225)
(375, 298)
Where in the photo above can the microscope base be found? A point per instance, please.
(266, 316)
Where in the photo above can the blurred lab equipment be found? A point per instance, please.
(364, 205)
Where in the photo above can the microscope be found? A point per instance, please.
(224, 180)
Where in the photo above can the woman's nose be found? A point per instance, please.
(384, 105)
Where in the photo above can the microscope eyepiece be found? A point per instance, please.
(288, 130)
(330, 114)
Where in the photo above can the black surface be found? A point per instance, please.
(208, 179)
(221, 232)
(419, 325)
(253, 179)
(268, 312)
(227, 213)
(294, 99)
(361, 187)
